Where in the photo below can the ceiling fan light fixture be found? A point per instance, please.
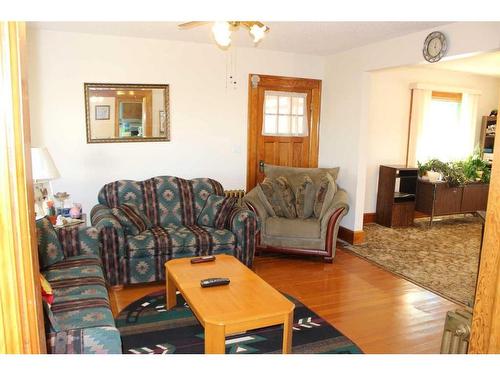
(221, 31)
(258, 33)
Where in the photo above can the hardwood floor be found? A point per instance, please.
(380, 312)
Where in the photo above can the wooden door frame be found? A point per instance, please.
(21, 312)
(485, 332)
(279, 83)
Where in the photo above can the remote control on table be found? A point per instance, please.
(207, 283)
(208, 258)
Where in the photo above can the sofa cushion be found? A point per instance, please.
(280, 196)
(274, 171)
(95, 340)
(49, 247)
(86, 290)
(83, 314)
(325, 193)
(298, 228)
(174, 239)
(131, 218)
(304, 192)
(73, 268)
(216, 211)
(164, 199)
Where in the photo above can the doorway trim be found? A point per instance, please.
(279, 83)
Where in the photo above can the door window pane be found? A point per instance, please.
(270, 124)
(271, 104)
(285, 114)
(284, 124)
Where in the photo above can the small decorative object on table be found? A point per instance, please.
(61, 197)
(64, 222)
(51, 212)
(76, 211)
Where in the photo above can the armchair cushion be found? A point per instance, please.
(216, 211)
(273, 171)
(132, 220)
(49, 248)
(296, 228)
(325, 193)
(279, 193)
(304, 192)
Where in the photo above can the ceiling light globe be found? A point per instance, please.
(221, 31)
(258, 33)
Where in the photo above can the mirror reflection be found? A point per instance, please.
(126, 113)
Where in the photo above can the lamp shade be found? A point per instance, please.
(43, 166)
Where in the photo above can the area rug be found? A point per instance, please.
(442, 258)
(147, 328)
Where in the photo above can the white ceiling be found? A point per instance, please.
(485, 64)
(317, 38)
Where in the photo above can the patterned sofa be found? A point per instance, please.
(79, 320)
(172, 205)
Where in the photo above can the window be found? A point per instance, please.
(448, 127)
(442, 133)
(285, 114)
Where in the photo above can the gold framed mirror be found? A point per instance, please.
(117, 112)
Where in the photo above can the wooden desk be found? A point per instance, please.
(248, 302)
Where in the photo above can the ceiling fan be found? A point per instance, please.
(222, 30)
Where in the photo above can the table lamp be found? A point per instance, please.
(44, 170)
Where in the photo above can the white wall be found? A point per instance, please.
(389, 110)
(208, 119)
(102, 128)
(346, 88)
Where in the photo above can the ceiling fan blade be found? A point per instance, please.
(189, 25)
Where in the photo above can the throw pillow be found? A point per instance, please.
(131, 218)
(326, 190)
(49, 247)
(280, 195)
(216, 211)
(304, 192)
(265, 201)
(267, 188)
(47, 292)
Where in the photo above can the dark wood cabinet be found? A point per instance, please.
(437, 198)
(396, 195)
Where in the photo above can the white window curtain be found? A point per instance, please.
(441, 129)
(420, 105)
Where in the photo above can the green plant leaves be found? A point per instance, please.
(472, 169)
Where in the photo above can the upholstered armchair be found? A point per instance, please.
(315, 235)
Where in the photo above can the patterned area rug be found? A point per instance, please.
(442, 258)
(147, 328)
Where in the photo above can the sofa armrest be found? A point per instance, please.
(112, 239)
(253, 201)
(243, 223)
(79, 240)
(339, 207)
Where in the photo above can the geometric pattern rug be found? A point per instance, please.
(147, 328)
(442, 258)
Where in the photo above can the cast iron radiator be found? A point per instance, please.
(238, 194)
(456, 332)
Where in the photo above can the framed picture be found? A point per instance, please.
(163, 119)
(102, 112)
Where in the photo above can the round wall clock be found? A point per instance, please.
(435, 46)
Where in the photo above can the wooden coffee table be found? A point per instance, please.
(248, 302)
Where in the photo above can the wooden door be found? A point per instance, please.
(299, 150)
